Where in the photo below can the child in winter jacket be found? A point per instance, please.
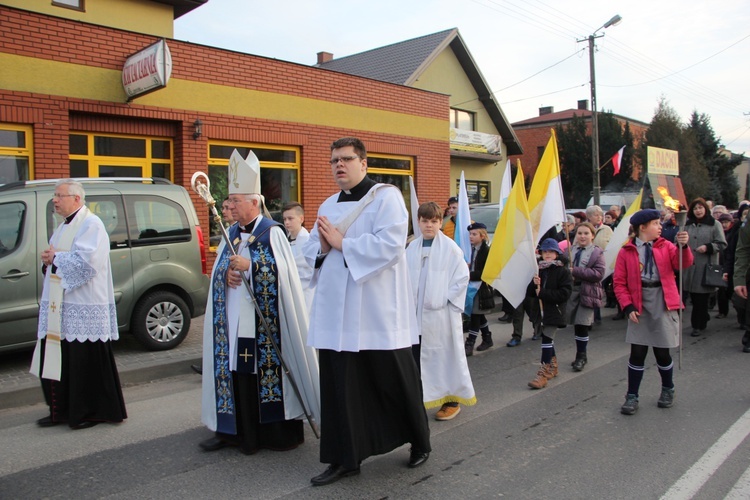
(587, 269)
(552, 286)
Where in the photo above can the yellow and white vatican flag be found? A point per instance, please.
(620, 236)
(546, 203)
(505, 187)
(511, 262)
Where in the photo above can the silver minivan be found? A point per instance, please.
(156, 248)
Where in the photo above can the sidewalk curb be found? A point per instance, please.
(28, 396)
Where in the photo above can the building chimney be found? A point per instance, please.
(324, 57)
(546, 110)
(583, 104)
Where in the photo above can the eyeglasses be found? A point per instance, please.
(58, 196)
(345, 159)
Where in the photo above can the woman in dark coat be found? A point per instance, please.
(707, 242)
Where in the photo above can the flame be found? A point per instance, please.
(668, 200)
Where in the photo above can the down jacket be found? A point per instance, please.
(591, 279)
(554, 291)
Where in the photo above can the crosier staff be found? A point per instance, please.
(201, 184)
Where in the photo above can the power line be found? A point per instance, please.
(542, 95)
(527, 78)
(683, 69)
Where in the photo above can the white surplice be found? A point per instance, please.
(439, 278)
(88, 312)
(304, 269)
(293, 323)
(346, 315)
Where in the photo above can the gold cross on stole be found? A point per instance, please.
(246, 355)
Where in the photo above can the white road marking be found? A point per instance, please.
(693, 480)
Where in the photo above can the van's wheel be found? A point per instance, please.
(161, 321)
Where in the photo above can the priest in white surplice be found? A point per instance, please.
(439, 278)
(363, 321)
(248, 399)
(78, 319)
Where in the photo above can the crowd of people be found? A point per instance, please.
(360, 331)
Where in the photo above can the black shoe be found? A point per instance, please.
(580, 361)
(332, 474)
(746, 348)
(514, 342)
(213, 444)
(505, 318)
(486, 343)
(696, 332)
(47, 422)
(197, 369)
(618, 316)
(84, 425)
(417, 458)
(469, 345)
(630, 406)
(666, 400)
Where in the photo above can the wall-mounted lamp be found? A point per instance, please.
(198, 124)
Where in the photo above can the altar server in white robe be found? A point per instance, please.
(439, 278)
(363, 321)
(77, 319)
(248, 400)
(294, 216)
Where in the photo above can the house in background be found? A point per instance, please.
(534, 133)
(481, 138)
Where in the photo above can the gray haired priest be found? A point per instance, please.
(77, 319)
(248, 400)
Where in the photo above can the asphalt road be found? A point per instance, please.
(567, 441)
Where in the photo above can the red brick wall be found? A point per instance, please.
(52, 117)
(533, 137)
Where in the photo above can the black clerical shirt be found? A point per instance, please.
(357, 192)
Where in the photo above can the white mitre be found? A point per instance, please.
(244, 175)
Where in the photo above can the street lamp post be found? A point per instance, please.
(594, 120)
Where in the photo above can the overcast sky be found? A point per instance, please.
(695, 53)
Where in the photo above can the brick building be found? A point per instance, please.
(534, 133)
(64, 111)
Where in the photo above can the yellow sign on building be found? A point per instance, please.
(663, 161)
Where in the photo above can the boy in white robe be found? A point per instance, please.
(439, 278)
(294, 216)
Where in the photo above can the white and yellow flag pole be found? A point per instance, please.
(511, 262)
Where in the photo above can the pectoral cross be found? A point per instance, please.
(53, 307)
(246, 355)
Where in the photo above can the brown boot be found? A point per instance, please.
(540, 381)
(552, 373)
